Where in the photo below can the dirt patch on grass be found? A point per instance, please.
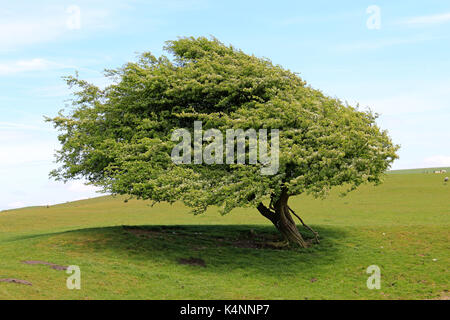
(245, 239)
(51, 265)
(252, 240)
(261, 243)
(244, 243)
(154, 233)
(144, 233)
(18, 281)
(193, 262)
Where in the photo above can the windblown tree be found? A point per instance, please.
(120, 137)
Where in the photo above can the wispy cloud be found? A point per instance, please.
(16, 204)
(429, 98)
(81, 187)
(322, 18)
(22, 126)
(438, 161)
(426, 20)
(18, 32)
(27, 153)
(21, 27)
(39, 64)
(36, 64)
(382, 43)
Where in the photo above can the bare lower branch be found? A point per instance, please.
(316, 234)
(266, 212)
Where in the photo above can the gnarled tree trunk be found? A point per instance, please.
(280, 216)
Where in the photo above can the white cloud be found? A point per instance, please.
(12, 67)
(20, 126)
(26, 32)
(81, 187)
(321, 18)
(38, 24)
(38, 64)
(403, 104)
(429, 19)
(433, 97)
(437, 161)
(25, 143)
(23, 153)
(382, 43)
(16, 204)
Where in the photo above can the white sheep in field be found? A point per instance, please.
(446, 179)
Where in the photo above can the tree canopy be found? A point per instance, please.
(119, 137)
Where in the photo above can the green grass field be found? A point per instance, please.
(402, 226)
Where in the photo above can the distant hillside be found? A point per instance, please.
(422, 170)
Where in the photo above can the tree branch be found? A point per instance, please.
(316, 234)
(266, 212)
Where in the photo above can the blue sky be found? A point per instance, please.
(396, 62)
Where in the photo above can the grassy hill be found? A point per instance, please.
(421, 170)
(135, 251)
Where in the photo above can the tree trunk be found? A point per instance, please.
(282, 219)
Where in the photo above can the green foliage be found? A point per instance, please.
(119, 138)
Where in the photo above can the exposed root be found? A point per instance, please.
(278, 244)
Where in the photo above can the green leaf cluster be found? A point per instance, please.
(119, 138)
